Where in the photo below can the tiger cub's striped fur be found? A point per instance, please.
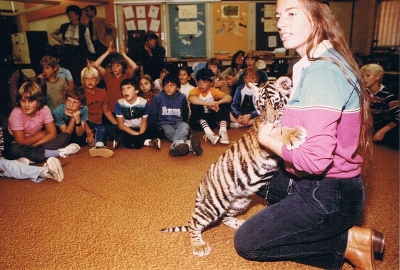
(225, 188)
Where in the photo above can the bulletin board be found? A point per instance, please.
(187, 31)
(142, 17)
(267, 36)
(230, 27)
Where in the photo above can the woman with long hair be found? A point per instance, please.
(316, 223)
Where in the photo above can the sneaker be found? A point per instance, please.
(212, 137)
(195, 145)
(181, 149)
(100, 152)
(72, 148)
(52, 169)
(25, 160)
(224, 137)
(156, 143)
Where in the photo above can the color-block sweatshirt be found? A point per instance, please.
(328, 107)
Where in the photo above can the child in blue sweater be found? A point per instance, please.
(169, 111)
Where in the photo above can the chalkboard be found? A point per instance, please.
(187, 31)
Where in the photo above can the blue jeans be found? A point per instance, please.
(176, 132)
(102, 131)
(19, 170)
(308, 226)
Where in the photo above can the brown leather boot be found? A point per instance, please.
(361, 245)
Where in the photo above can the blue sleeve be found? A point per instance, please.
(59, 115)
(117, 109)
(237, 98)
(263, 76)
(146, 109)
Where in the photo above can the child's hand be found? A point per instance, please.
(122, 49)
(111, 47)
(147, 47)
(213, 106)
(90, 139)
(77, 116)
(378, 136)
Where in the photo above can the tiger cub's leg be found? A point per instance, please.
(199, 247)
(237, 207)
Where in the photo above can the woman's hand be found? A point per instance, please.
(268, 142)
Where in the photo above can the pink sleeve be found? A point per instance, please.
(47, 115)
(15, 120)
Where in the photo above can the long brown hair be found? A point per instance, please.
(326, 27)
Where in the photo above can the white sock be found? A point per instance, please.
(208, 130)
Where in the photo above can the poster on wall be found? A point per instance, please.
(187, 31)
(142, 17)
(230, 23)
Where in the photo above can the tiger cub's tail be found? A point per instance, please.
(176, 229)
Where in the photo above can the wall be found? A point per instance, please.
(51, 23)
(360, 38)
(363, 26)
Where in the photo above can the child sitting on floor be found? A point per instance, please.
(52, 169)
(132, 114)
(71, 117)
(243, 112)
(32, 132)
(169, 112)
(209, 107)
(97, 103)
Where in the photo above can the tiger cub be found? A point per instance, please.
(225, 189)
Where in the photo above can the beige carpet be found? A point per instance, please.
(107, 214)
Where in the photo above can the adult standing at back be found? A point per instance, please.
(153, 55)
(75, 38)
(102, 32)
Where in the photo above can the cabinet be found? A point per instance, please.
(29, 47)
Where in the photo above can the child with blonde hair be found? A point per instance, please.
(384, 106)
(98, 106)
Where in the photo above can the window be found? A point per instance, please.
(387, 24)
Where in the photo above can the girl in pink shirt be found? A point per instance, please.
(32, 131)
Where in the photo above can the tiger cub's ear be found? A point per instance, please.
(284, 85)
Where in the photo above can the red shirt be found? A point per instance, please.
(95, 102)
(113, 87)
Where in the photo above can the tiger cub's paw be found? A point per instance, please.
(201, 250)
(295, 137)
(232, 222)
